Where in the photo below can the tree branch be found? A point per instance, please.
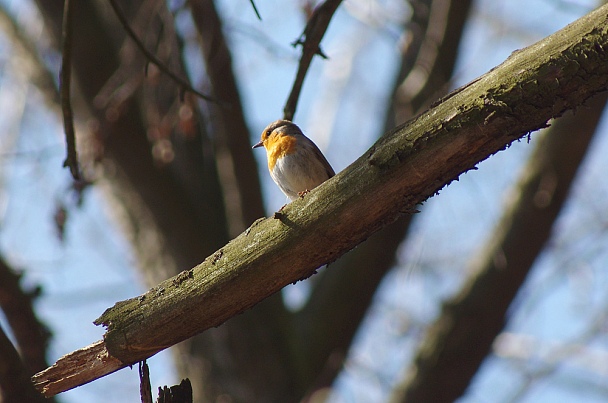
(14, 377)
(77, 368)
(71, 161)
(42, 78)
(155, 60)
(310, 40)
(30, 334)
(255, 10)
(404, 168)
(433, 58)
(31, 338)
(236, 165)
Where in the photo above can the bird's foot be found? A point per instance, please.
(303, 193)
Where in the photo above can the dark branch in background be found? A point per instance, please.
(255, 9)
(462, 336)
(310, 40)
(159, 38)
(15, 385)
(236, 165)
(152, 58)
(433, 55)
(41, 77)
(71, 161)
(30, 335)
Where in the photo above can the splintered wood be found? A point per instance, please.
(76, 368)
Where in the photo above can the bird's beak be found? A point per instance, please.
(260, 144)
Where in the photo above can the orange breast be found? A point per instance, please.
(278, 147)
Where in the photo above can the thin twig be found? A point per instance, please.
(152, 58)
(76, 368)
(71, 160)
(255, 9)
(310, 40)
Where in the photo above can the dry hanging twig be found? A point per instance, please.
(145, 389)
(71, 160)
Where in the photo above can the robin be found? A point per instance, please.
(295, 163)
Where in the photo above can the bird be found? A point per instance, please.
(295, 163)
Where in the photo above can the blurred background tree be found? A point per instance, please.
(410, 315)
